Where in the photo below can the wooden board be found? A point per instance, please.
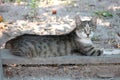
(7, 58)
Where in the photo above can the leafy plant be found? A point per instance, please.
(18, 1)
(33, 6)
(8, 0)
(104, 13)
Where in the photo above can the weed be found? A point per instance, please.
(18, 1)
(33, 5)
(104, 13)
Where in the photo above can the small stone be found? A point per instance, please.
(54, 11)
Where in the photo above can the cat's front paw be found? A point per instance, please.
(99, 52)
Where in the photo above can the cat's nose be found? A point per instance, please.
(87, 35)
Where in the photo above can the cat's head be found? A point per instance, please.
(85, 28)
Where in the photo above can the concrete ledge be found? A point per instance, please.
(1, 69)
(59, 78)
(7, 58)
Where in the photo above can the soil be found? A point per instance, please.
(107, 34)
(63, 72)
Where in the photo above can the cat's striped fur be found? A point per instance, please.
(55, 45)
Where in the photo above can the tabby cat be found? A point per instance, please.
(76, 42)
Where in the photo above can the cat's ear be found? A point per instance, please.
(77, 21)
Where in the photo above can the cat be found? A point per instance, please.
(30, 45)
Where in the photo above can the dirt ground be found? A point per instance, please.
(63, 72)
(107, 34)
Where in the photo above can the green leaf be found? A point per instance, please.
(104, 13)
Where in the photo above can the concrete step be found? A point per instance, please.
(57, 78)
(7, 58)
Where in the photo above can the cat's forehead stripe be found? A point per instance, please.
(87, 25)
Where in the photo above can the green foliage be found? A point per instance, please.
(11, 0)
(104, 13)
(8, 0)
(18, 1)
(33, 6)
(69, 2)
